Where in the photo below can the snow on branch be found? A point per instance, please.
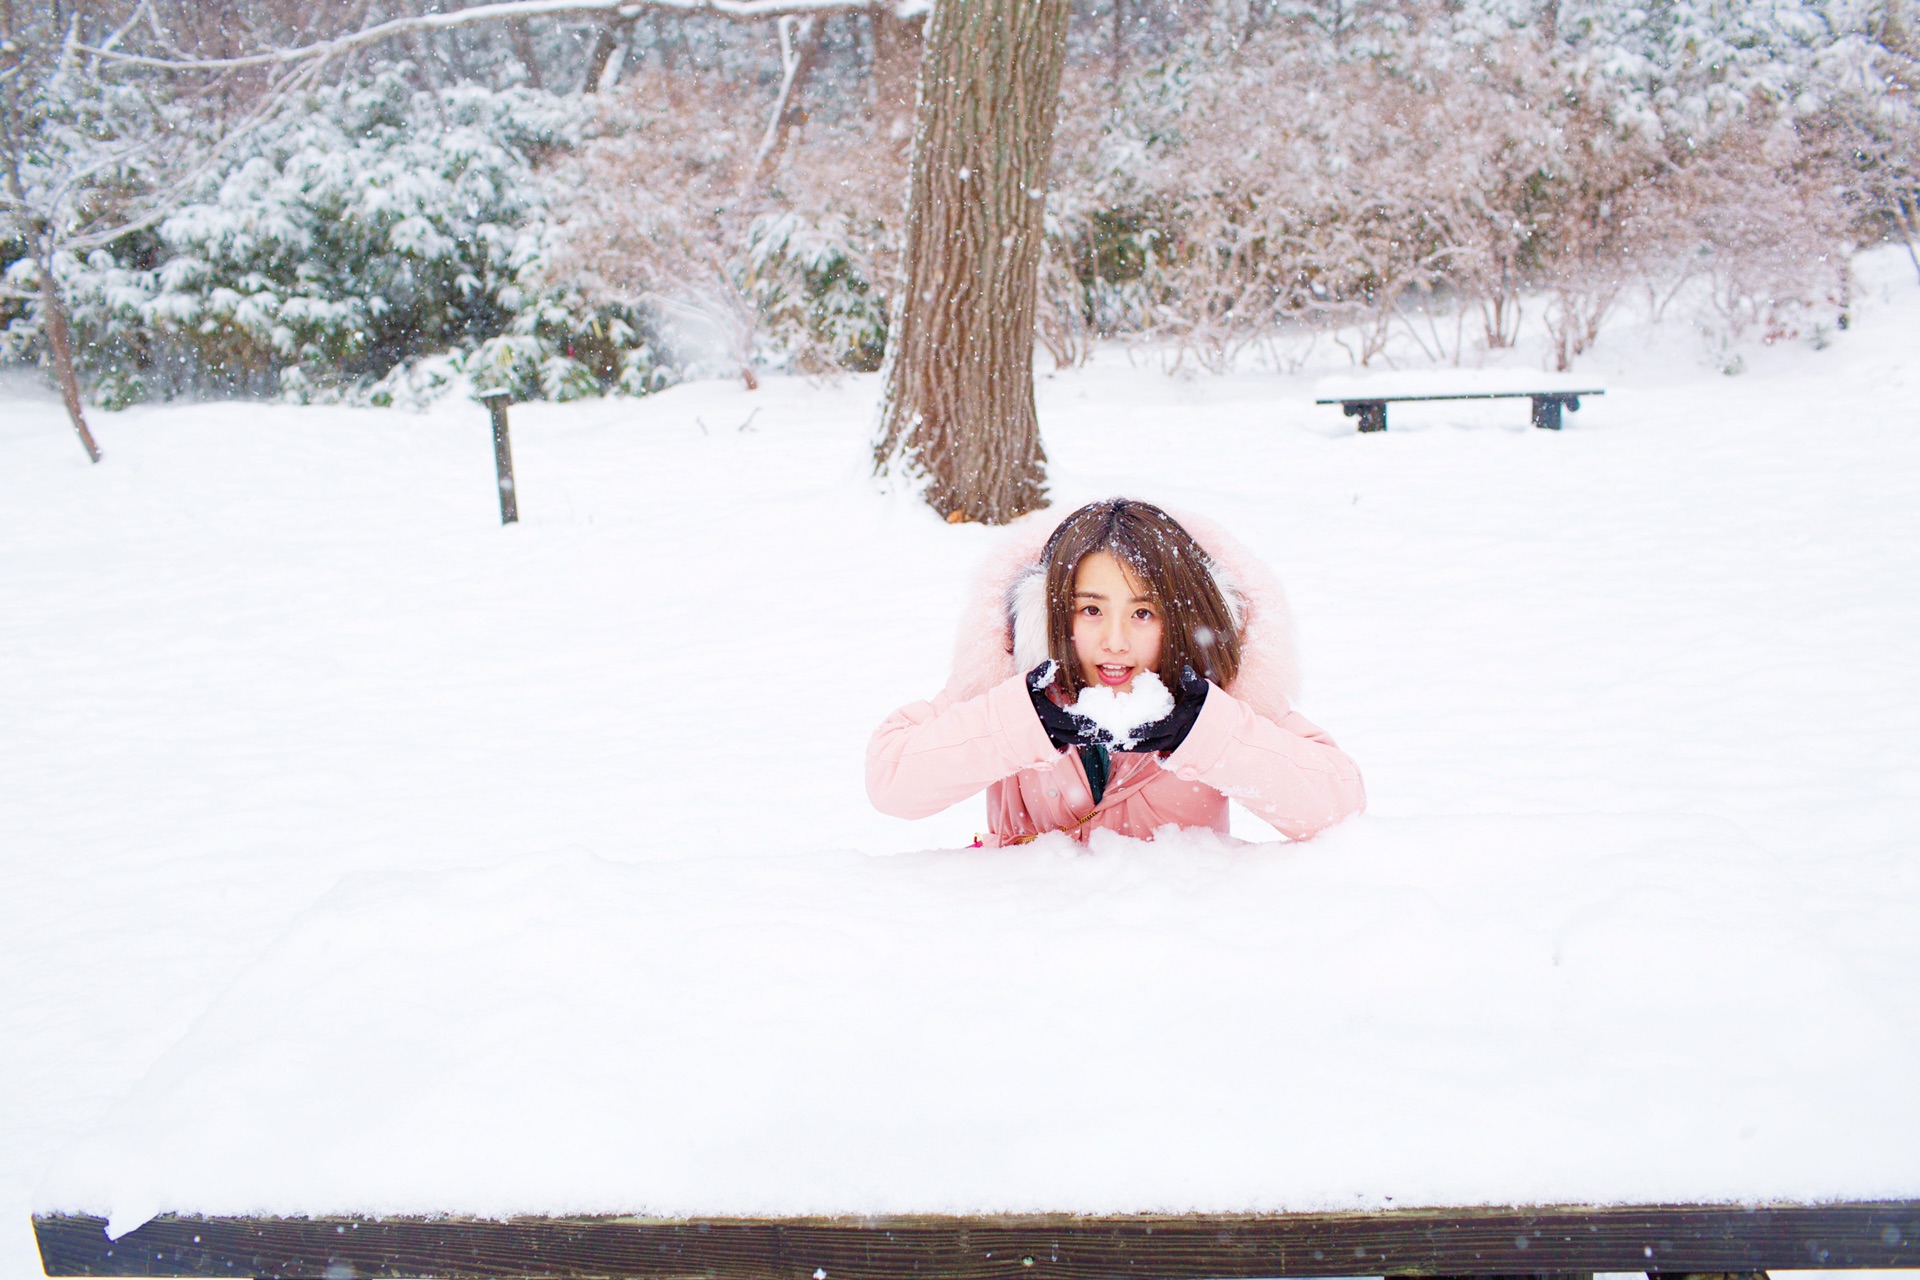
(734, 10)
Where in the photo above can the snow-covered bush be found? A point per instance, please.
(13, 298)
(1365, 170)
(1410, 158)
(660, 214)
(90, 155)
(810, 279)
(364, 229)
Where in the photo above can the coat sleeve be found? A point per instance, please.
(929, 755)
(1287, 771)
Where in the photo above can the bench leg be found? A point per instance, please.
(1372, 413)
(1548, 409)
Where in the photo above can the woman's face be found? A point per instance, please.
(1116, 629)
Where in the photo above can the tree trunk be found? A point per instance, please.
(1907, 217)
(605, 41)
(799, 54)
(958, 411)
(60, 343)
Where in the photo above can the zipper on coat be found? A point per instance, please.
(1095, 760)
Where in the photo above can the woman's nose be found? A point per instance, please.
(1113, 636)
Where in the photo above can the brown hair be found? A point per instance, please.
(1200, 631)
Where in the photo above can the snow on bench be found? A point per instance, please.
(1367, 398)
(1437, 1012)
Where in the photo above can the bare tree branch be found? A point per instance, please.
(625, 10)
(113, 41)
(157, 205)
(799, 48)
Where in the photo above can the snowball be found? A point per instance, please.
(1124, 714)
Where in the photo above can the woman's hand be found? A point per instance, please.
(1064, 728)
(1168, 732)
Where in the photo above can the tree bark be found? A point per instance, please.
(53, 314)
(605, 41)
(799, 55)
(958, 412)
(1907, 217)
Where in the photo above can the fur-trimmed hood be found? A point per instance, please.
(1004, 630)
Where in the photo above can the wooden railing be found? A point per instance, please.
(1533, 1241)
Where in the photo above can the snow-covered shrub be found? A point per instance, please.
(1364, 170)
(784, 275)
(1765, 224)
(1415, 159)
(91, 150)
(1273, 188)
(1870, 133)
(364, 229)
(17, 282)
(646, 215)
(809, 277)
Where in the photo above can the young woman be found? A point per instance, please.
(1119, 589)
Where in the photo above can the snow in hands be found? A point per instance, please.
(1123, 713)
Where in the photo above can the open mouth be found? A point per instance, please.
(1112, 676)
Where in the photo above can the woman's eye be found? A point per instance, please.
(1143, 615)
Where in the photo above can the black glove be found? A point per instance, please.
(1168, 732)
(1064, 729)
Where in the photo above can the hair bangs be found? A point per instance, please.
(1200, 630)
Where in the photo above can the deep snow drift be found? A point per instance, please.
(1483, 1009)
(361, 854)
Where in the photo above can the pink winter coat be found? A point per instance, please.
(1248, 742)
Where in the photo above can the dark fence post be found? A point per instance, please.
(496, 402)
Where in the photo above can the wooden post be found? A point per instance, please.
(496, 402)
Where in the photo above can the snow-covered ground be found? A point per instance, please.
(360, 854)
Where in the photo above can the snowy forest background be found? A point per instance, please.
(576, 204)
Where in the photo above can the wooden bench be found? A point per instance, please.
(1372, 410)
(1563, 1242)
